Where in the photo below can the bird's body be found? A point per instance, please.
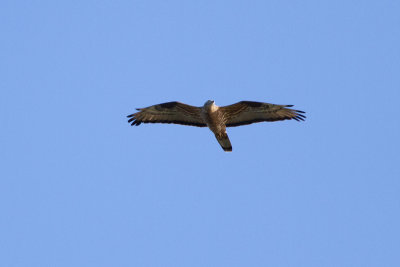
(214, 117)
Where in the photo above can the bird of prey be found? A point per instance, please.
(214, 117)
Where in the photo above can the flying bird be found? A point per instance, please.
(214, 117)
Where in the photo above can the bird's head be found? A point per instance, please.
(210, 106)
(209, 103)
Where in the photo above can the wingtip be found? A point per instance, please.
(302, 116)
(299, 118)
(136, 123)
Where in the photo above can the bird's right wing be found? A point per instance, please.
(170, 112)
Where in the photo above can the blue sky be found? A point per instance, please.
(80, 187)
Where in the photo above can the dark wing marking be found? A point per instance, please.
(170, 112)
(247, 112)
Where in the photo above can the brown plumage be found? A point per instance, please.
(214, 117)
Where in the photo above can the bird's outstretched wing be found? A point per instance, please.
(247, 112)
(170, 112)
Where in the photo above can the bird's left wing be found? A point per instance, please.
(170, 112)
(247, 112)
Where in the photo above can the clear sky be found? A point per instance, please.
(80, 187)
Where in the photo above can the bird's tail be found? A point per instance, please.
(224, 141)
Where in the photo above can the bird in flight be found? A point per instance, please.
(214, 117)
